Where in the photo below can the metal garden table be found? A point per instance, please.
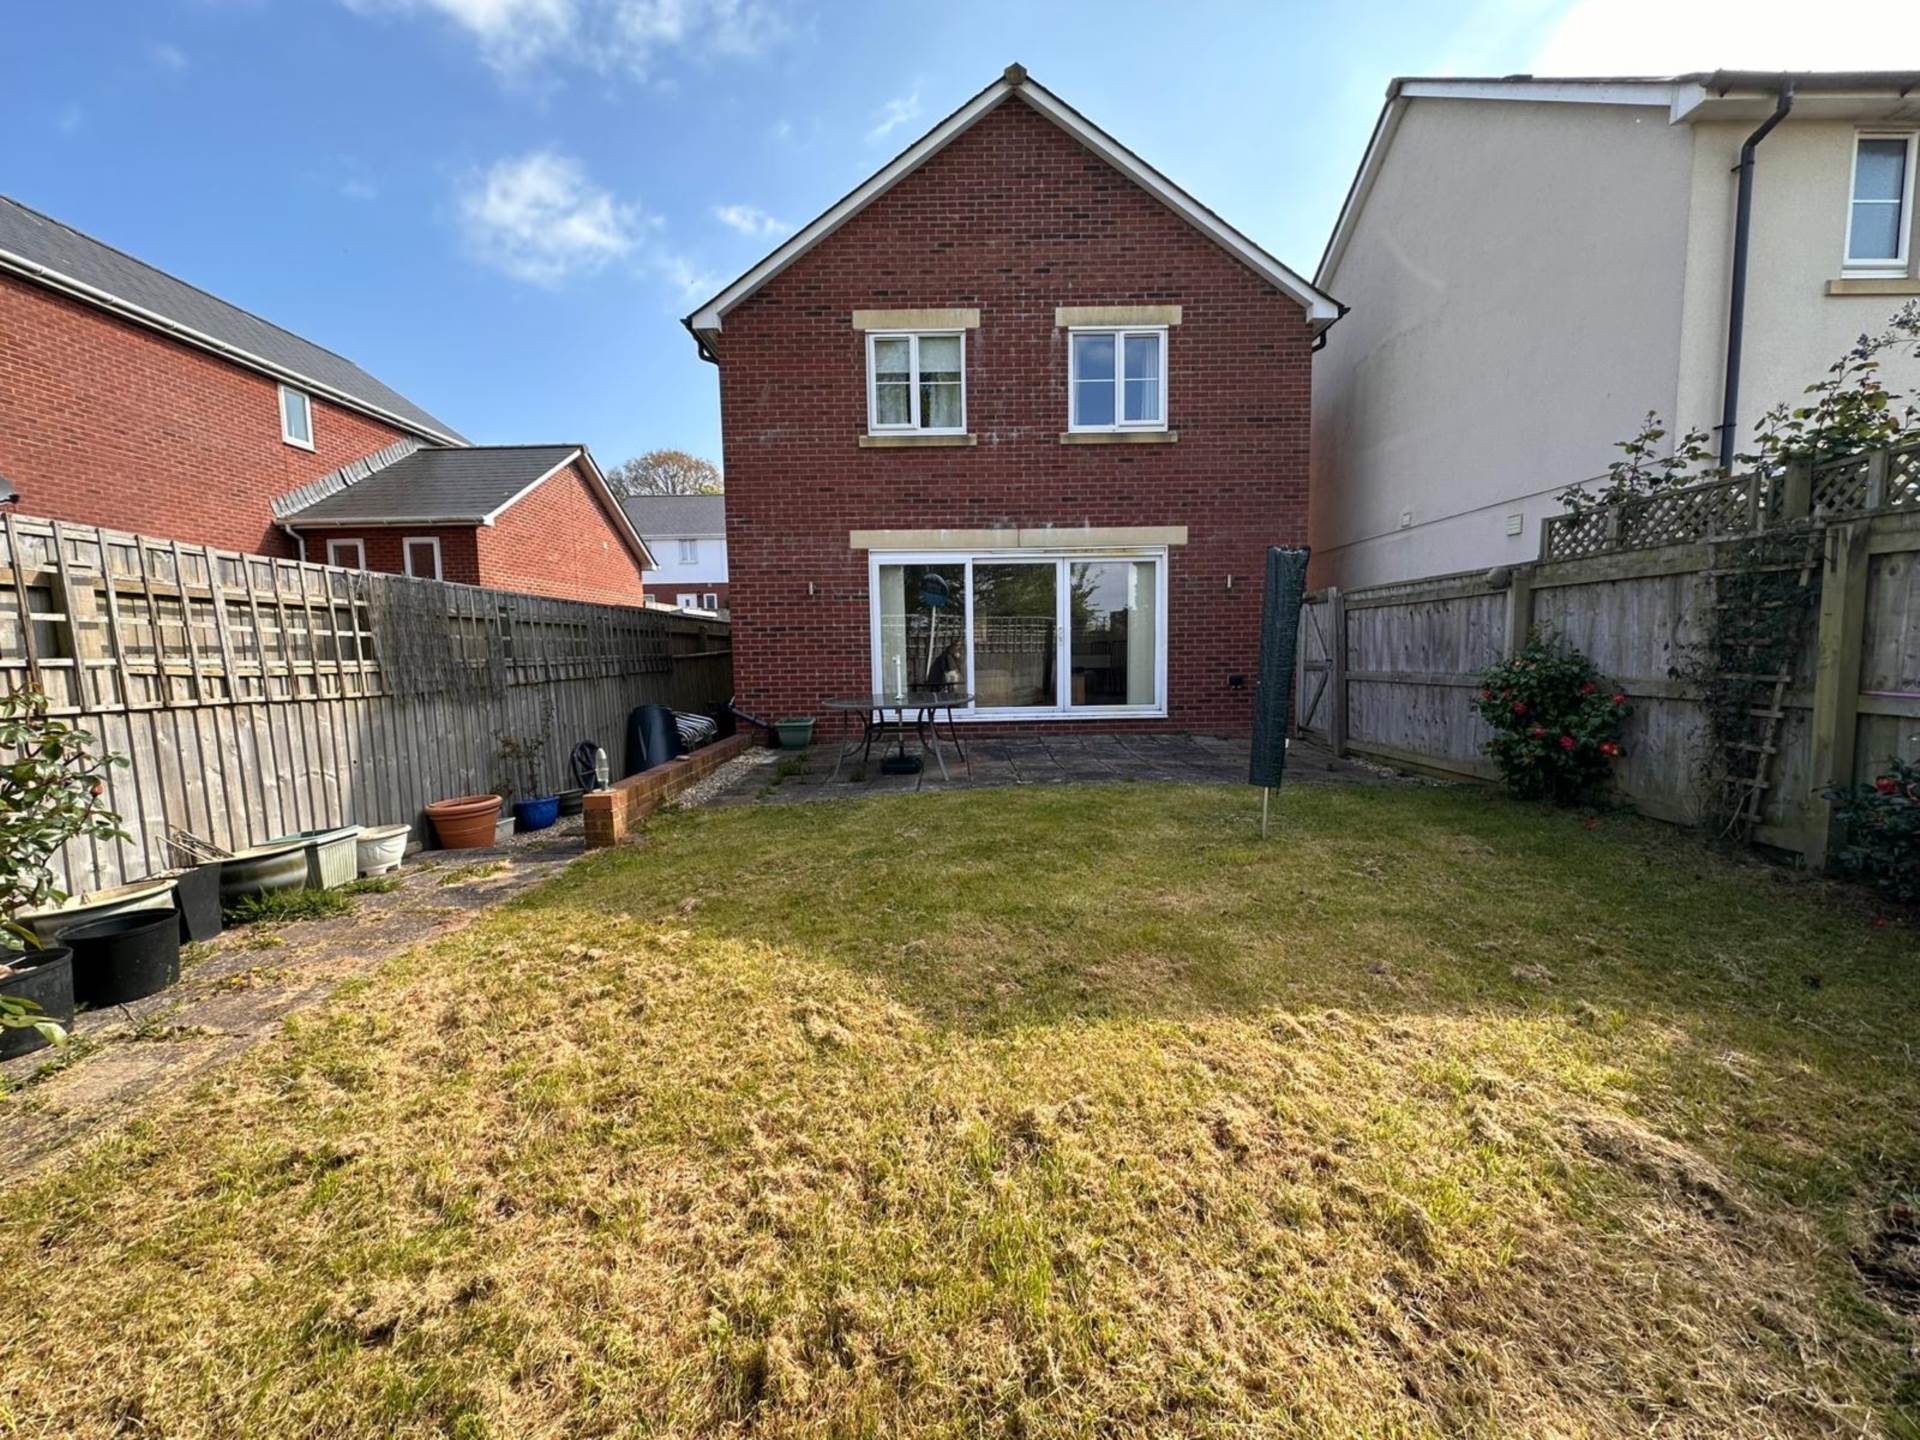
(883, 715)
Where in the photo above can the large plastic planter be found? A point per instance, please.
(331, 859)
(536, 814)
(197, 896)
(155, 894)
(263, 868)
(45, 977)
(124, 957)
(382, 848)
(465, 822)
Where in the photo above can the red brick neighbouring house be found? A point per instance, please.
(134, 401)
(1017, 416)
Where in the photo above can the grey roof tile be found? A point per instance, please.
(437, 486)
(676, 514)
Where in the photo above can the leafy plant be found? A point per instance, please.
(1556, 721)
(275, 906)
(51, 781)
(1881, 825)
(521, 755)
(1849, 412)
(1642, 469)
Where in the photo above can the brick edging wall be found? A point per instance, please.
(612, 812)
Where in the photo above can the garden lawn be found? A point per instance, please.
(1027, 1113)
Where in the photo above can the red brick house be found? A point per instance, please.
(1018, 416)
(134, 401)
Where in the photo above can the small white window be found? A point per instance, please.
(689, 552)
(350, 553)
(710, 601)
(422, 554)
(296, 417)
(1880, 213)
(917, 383)
(687, 600)
(1117, 379)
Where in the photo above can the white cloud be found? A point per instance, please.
(540, 219)
(1657, 37)
(693, 283)
(519, 37)
(751, 221)
(900, 110)
(170, 58)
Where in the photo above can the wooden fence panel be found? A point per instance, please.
(255, 696)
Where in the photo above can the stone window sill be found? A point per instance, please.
(1874, 285)
(1119, 437)
(915, 442)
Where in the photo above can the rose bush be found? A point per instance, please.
(1880, 823)
(1556, 720)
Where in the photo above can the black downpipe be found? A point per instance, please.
(1737, 303)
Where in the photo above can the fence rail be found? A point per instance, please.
(257, 696)
(1880, 482)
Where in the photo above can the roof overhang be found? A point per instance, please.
(11, 263)
(1321, 309)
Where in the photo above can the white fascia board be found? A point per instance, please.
(1561, 92)
(526, 490)
(608, 502)
(1384, 130)
(1322, 310)
(105, 300)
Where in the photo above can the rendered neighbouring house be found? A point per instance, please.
(1017, 416)
(687, 536)
(1535, 264)
(137, 402)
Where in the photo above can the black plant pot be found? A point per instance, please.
(572, 802)
(197, 894)
(45, 977)
(124, 957)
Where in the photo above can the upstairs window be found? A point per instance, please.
(689, 552)
(422, 556)
(296, 417)
(916, 384)
(1880, 217)
(1117, 379)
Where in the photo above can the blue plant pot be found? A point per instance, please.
(536, 814)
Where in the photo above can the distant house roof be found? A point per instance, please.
(56, 255)
(1322, 309)
(677, 514)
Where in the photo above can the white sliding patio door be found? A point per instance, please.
(1029, 635)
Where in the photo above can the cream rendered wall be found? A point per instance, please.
(1516, 278)
(708, 568)
(1795, 330)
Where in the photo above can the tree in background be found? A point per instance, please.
(665, 472)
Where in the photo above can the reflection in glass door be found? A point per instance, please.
(1016, 629)
(1111, 606)
(923, 628)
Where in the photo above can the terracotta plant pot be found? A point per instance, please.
(466, 822)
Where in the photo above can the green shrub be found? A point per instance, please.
(1556, 722)
(275, 906)
(1881, 825)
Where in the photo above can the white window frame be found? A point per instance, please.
(913, 425)
(336, 547)
(1880, 265)
(686, 599)
(406, 556)
(689, 552)
(1119, 333)
(1063, 709)
(710, 601)
(286, 430)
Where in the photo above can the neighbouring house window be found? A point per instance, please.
(689, 552)
(917, 383)
(350, 553)
(1880, 218)
(1027, 635)
(422, 554)
(687, 600)
(296, 417)
(710, 601)
(1117, 379)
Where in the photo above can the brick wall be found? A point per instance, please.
(459, 556)
(1012, 218)
(106, 423)
(560, 541)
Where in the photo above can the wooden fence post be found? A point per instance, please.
(1796, 491)
(1836, 681)
(1519, 610)
(1336, 670)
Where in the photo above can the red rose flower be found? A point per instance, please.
(1619, 699)
(1886, 785)
(1486, 694)
(1608, 748)
(1566, 742)
(1519, 708)
(1537, 731)
(1588, 688)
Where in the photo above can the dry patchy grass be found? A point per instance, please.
(1007, 1113)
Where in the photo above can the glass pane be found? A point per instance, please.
(297, 416)
(940, 357)
(890, 403)
(1093, 402)
(1093, 357)
(1876, 232)
(1880, 173)
(1142, 377)
(1112, 605)
(1015, 634)
(892, 359)
(923, 627)
(940, 406)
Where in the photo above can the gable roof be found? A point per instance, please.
(471, 485)
(1693, 96)
(677, 514)
(1322, 309)
(49, 253)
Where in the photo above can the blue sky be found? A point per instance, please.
(502, 207)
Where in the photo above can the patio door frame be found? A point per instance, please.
(1063, 560)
